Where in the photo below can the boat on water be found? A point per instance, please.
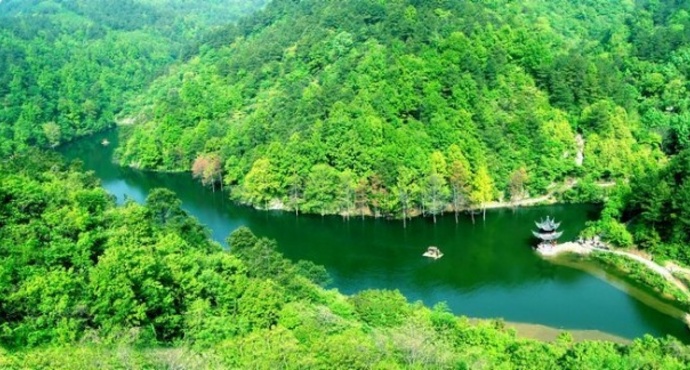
(105, 142)
(433, 252)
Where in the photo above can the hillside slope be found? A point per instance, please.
(390, 107)
(67, 67)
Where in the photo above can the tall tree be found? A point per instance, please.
(435, 194)
(321, 189)
(346, 192)
(163, 205)
(516, 186)
(378, 194)
(361, 198)
(482, 189)
(261, 183)
(296, 192)
(435, 191)
(207, 167)
(406, 189)
(459, 177)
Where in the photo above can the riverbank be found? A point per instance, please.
(553, 196)
(635, 266)
(547, 333)
(582, 249)
(550, 334)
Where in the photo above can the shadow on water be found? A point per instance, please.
(488, 270)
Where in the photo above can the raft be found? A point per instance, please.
(433, 252)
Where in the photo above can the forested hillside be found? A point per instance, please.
(87, 284)
(653, 211)
(407, 106)
(67, 67)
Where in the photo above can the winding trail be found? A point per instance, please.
(665, 271)
(661, 270)
(548, 198)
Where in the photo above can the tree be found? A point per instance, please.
(459, 178)
(435, 194)
(346, 192)
(405, 189)
(296, 190)
(261, 183)
(208, 168)
(52, 133)
(516, 186)
(482, 189)
(163, 205)
(435, 190)
(361, 191)
(321, 189)
(378, 194)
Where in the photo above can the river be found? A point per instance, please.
(488, 270)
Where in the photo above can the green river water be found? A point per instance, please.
(488, 271)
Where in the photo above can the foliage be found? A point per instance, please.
(655, 208)
(353, 106)
(584, 191)
(88, 284)
(68, 67)
(640, 273)
(382, 92)
(381, 308)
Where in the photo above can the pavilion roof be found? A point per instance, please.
(549, 224)
(548, 236)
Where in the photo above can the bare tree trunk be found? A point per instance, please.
(484, 213)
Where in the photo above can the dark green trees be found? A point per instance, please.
(391, 90)
(68, 68)
(88, 284)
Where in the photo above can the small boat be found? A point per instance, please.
(105, 142)
(433, 252)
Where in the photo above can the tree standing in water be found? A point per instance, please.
(435, 187)
(482, 189)
(405, 189)
(459, 178)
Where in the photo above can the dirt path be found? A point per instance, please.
(675, 268)
(661, 270)
(664, 271)
(548, 198)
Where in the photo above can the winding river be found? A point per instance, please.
(488, 271)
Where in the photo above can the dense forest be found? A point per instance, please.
(67, 67)
(88, 284)
(652, 212)
(389, 108)
(396, 108)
